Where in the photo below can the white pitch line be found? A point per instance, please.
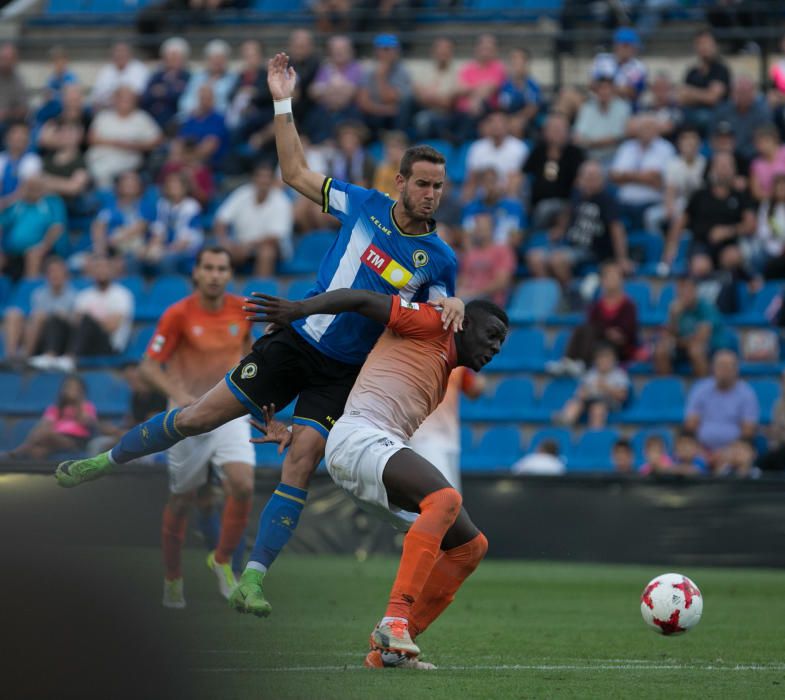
(514, 667)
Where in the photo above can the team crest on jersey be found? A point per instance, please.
(234, 329)
(419, 258)
(249, 371)
(158, 343)
(413, 305)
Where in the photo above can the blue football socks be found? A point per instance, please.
(276, 524)
(154, 435)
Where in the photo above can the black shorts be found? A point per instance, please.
(283, 366)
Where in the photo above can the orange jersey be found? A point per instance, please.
(406, 374)
(200, 346)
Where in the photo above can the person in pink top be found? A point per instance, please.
(769, 162)
(480, 79)
(402, 381)
(487, 268)
(66, 425)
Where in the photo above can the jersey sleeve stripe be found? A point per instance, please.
(326, 194)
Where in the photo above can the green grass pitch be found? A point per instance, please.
(516, 630)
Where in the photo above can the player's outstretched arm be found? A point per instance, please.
(269, 309)
(281, 79)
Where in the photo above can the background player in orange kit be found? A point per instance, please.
(197, 341)
(401, 383)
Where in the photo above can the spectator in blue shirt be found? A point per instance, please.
(119, 228)
(16, 161)
(520, 95)
(722, 409)
(206, 127)
(694, 330)
(215, 73)
(30, 227)
(58, 79)
(167, 85)
(509, 217)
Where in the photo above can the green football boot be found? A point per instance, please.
(77, 471)
(248, 596)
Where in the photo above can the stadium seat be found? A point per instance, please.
(592, 452)
(767, 391)
(512, 400)
(163, 292)
(5, 290)
(10, 386)
(555, 394)
(308, 253)
(265, 285)
(534, 300)
(37, 392)
(657, 314)
(640, 293)
(523, 350)
(456, 163)
(110, 394)
(559, 345)
(19, 297)
(498, 448)
(660, 401)
(646, 248)
(300, 288)
(14, 432)
(561, 436)
(138, 344)
(753, 306)
(639, 441)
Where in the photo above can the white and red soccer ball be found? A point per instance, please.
(671, 604)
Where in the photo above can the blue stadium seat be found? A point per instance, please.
(559, 345)
(456, 163)
(265, 285)
(163, 292)
(660, 401)
(523, 350)
(139, 341)
(640, 293)
(753, 306)
(555, 394)
(658, 313)
(561, 436)
(299, 288)
(308, 253)
(5, 290)
(512, 400)
(14, 432)
(498, 448)
(10, 385)
(534, 300)
(19, 298)
(592, 452)
(767, 391)
(647, 247)
(110, 394)
(37, 392)
(639, 441)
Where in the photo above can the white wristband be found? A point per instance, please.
(283, 106)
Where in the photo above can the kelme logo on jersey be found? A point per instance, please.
(387, 268)
(249, 371)
(419, 258)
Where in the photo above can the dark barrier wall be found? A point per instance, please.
(583, 519)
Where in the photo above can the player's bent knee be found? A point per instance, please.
(447, 500)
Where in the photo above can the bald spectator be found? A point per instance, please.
(123, 70)
(746, 112)
(17, 160)
(638, 169)
(206, 129)
(335, 87)
(13, 91)
(722, 408)
(601, 122)
(385, 95)
(167, 84)
(216, 73)
(480, 78)
(498, 149)
(706, 84)
(119, 138)
(435, 89)
(552, 167)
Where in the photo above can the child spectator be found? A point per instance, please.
(520, 95)
(544, 461)
(66, 425)
(487, 268)
(687, 458)
(604, 389)
(739, 461)
(174, 234)
(623, 457)
(655, 452)
(395, 144)
(684, 173)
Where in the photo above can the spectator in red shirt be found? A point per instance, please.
(184, 158)
(612, 319)
(487, 268)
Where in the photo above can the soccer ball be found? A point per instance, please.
(671, 604)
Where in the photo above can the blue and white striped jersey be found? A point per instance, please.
(371, 252)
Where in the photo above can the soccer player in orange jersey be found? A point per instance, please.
(401, 383)
(196, 342)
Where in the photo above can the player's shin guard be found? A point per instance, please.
(157, 434)
(452, 568)
(172, 537)
(438, 511)
(276, 524)
(233, 524)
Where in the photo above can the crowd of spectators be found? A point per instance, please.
(132, 174)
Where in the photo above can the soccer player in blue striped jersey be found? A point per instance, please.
(384, 245)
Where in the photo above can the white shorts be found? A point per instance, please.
(189, 460)
(356, 455)
(442, 453)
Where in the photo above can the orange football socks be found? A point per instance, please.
(233, 523)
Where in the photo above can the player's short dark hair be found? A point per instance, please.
(482, 306)
(415, 154)
(216, 250)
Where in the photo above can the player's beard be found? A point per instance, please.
(409, 208)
